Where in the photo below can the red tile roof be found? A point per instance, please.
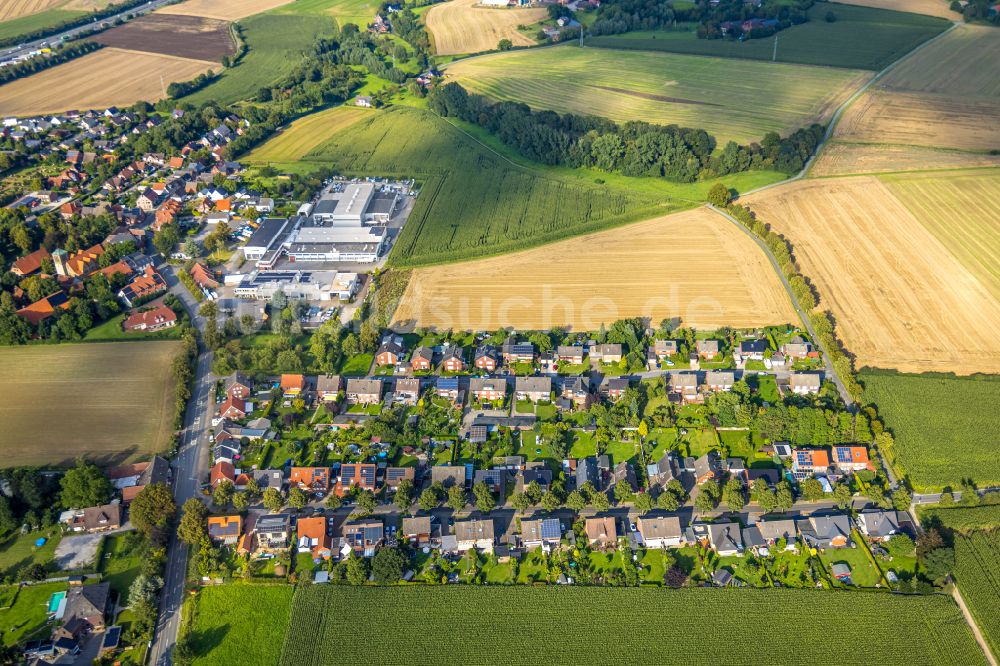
(158, 317)
(30, 263)
(223, 470)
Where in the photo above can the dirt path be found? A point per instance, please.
(972, 623)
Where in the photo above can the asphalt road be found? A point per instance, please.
(190, 468)
(80, 31)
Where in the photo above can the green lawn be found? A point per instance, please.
(112, 330)
(29, 614)
(356, 365)
(40, 21)
(532, 568)
(863, 572)
(940, 425)
(121, 560)
(767, 389)
(19, 550)
(621, 452)
(229, 618)
(276, 43)
(358, 12)
(861, 37)
(584, 445)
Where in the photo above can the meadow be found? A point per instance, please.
(976, 557)
(901, 299)
(291, 143)
(731, 99)
(115, 401)
(940, 425)
(275, 43)
(108, 77)
(695, 265)
(461, 26)
(937, 8)
(959, 210)
(463, 624)
(27, 23)
(860, 38)
(358, 12)
(477, 201)
(240, 624)
(28, 618)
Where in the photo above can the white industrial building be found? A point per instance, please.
(301, 285)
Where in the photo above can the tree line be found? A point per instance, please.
(58, 56)
(633, 148)
(619, 16)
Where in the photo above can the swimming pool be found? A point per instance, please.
(55, 600)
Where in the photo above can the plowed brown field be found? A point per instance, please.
(183, 36)
(901, 299)
(694, 265)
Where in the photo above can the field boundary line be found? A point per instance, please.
(803, 315)
(967, 614)
(835, 118)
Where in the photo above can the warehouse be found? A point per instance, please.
(302, 285)
(265, 237)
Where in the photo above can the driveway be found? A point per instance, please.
(78, 551)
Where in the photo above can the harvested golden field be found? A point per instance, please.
(960, 210)
(922, 120)
(937, 8)
(694, 265)
(460, 26)
(963, 62)
(225, 10)
(732, 99)
(110, 401)
(293, 142)
(12, 9)
(839, 158)
(900, 298)
(109, 77)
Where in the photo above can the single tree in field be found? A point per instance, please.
(718, 195)
(192, 527)
(505, 45)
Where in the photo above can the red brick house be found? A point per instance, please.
(423, 358)
(452, 359)
(486, 358)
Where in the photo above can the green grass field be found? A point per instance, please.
(304, 134)
(477, 201)
(571, 625)
(358, 12)
(240, 624)
(739, 100)
(33, 22)
(114, 401)
(121, 560)
(942, 425)
(19, 550)
(29, 614)
(276, 42)
(861, 38)
(976, 557)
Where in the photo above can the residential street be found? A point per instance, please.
(190, 465)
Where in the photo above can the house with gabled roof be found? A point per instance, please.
(805, 383)
(361, 475)
(222, 471)
(422, 358)
(807, 462)
(407, 390)
(233, 408)
(241, 386)
(328, 387)
(312, 536)
(664, 470)
(310, 479)
(720, 380)
(475, 533)
(418, 530)
(225, 529)
(448, 475)
(606, 353)
(544, 532)
(570, 354)
(486, 358)
(488, 389)
(364, 536)
(725, 538)
(292, 385)
(535, 389)
(660, 530)
(707, 349)
(364, 391)
(825, 531)
(30, 263)
(851, 458)
(390, 351)
(452, 358)
(602, 531)
(685, 386)
(880, 525)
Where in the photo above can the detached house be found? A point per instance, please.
(602, 531)
(225, 529)
(664, 470)
(544, 532)
(233, 408)
(660, 531)
(486, 358)
(452, 359)
(805, 383)
(825, 531)
(750, 350)
(685, 386)
(725, 538)
(881, 525)
(518, 352)
(535, 389)
(570, 354)
(328, 387)
(361, 475)
(851, 458)
(797, 348)
(292, 385)
(720, 380)
(478, 534)
(312, 536)
(417, 529)
(310, 479)
(153, 319)
(364, 391)
(664, 348)
(576, 391)
(447, 388)
(707, 349)
(614, 388)
(807, 462)
(607, 353)
(407, 390)
(273, 532)
(422, 359)
(364, 536)
(390, 351)
(488, 389)
(143, 287)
